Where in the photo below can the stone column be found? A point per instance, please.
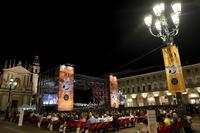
(4, 102)
(157, 100)
(170, 99)
(134, 102)
(25, 100)
(145, 101)
(180, 107)
(184, 98)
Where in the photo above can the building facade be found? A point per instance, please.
(17, 84)
(151, 88)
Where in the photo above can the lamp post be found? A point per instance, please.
(12, 83)
(165, 29)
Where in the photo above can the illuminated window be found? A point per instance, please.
(151, 101)
(192, 101)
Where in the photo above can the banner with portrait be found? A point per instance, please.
(173, 68)
(114, 95)
(66, 88)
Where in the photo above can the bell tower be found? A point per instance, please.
(35, 71)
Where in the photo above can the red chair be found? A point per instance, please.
(172, 127)
(70, 124)
(34, 120)
(104, 125)
(75, 124)
(124, 122)
(167, 129)
(120, 121)
(129, 121)
(133, 121)
(109, 125)
(44, 123)
(82, 125)
(99, 126)
(92, 127)
(56, 125)
(161, 128)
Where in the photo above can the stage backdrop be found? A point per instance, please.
(66, 88)
(114, 96)
(175, 79)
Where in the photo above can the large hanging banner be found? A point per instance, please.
(114, 96)
(66, 88)
(173, 68)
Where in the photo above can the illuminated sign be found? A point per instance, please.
(114, 95)
(66, 88)
(175, 79)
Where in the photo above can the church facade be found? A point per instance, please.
(18, 84)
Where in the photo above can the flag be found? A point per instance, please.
(173, 68)
(114, 95)
(66, 88)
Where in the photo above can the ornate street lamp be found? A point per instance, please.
(165, 29)
(162, 28)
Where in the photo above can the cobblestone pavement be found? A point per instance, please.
(8, 127)
(196, 124)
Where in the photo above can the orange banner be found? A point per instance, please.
(66, 88)
(173, 68)
(114, 96)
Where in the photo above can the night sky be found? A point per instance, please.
(98, 37)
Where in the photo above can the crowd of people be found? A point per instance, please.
(105, 121)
